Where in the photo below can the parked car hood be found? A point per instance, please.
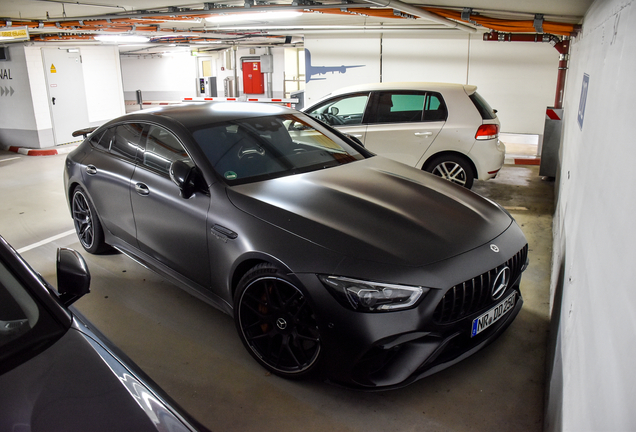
(76, 385)
(376, 210)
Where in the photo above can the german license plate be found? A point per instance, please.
(493, 315)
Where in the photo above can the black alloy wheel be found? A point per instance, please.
(452, 168)
(87, 225)
(276, 322)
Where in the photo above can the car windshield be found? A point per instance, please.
(25, 326)
(254, 149)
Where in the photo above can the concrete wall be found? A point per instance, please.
(173, 77)
(165, 78)
(518, 79)
(592, 384)
(25, 119)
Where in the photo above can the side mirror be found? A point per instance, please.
(73, 277)
(355, 139)
(334, 110)
(182, 175)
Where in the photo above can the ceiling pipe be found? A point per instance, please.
(198, 12)
(419, 12)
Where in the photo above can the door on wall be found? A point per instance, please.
(67, 95)
(252, 78)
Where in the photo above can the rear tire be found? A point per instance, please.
(87, 226)
(276, 322)
(453, 168)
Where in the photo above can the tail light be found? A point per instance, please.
(487, 131)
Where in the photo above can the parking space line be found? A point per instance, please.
(8, 159)
(45, 241)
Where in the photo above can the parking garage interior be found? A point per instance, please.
(564, 364)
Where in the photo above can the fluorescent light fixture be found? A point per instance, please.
(122, 38)
(258, 16)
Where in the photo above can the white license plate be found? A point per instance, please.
(493, 315)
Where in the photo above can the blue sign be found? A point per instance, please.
(584, 87)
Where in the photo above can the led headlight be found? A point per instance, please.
(366, 296)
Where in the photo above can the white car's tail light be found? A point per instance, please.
(487, 131)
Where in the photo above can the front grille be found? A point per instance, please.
(474, 294)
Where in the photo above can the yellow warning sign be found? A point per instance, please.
(53, 70)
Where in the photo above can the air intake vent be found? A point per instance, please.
(474, 294)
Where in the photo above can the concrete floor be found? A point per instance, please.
(194, 353)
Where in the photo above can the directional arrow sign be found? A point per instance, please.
(1, 91)
(12, 91)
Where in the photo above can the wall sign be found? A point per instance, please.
(582, 102)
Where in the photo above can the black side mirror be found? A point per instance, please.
(73, 277)
(355, 139)
(183, 176)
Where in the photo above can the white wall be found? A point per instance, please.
(103, 82)
(172, 78)
(25, 119)
(518, 79)
(23, 122)
(591, 375)
(166, 78)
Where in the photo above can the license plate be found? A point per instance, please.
(493, 315)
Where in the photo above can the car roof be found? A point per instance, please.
(431, 86)
(194, 114)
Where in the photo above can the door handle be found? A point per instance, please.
(357, 136)
(142, 189)
(91, 169)
(423, 133)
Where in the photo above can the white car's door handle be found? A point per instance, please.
(423, 133)
(357, 136)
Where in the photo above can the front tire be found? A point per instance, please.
(453, 168)
(87, 226)
(276, 322)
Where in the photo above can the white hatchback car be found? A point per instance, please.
(446, 129)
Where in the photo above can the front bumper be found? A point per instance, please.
(374, 351)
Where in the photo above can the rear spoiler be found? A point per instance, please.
(84, 132)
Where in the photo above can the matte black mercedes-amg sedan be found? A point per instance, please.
(331, 260)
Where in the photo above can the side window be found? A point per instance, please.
(435, 108)
(163, 148)
(346, 110)
(393, 107)
(96, 142)
(126, 140)
(106, 138)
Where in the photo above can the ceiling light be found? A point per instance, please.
(121, 38)
(258, 16)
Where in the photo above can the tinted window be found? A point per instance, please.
(106, 138)
(161, 149)
(486, 112)
(25, 326)
(435, 108)
(94, 139)
(398, 107)
(126, 140)
(255, 149)
(345, 110)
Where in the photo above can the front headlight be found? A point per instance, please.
(366, 296)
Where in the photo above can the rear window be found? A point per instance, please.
(485, 110)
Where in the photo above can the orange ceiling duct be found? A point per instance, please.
(151, 24)
(512, 26)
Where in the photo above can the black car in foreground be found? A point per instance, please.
(56, 374)
(331, 260)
